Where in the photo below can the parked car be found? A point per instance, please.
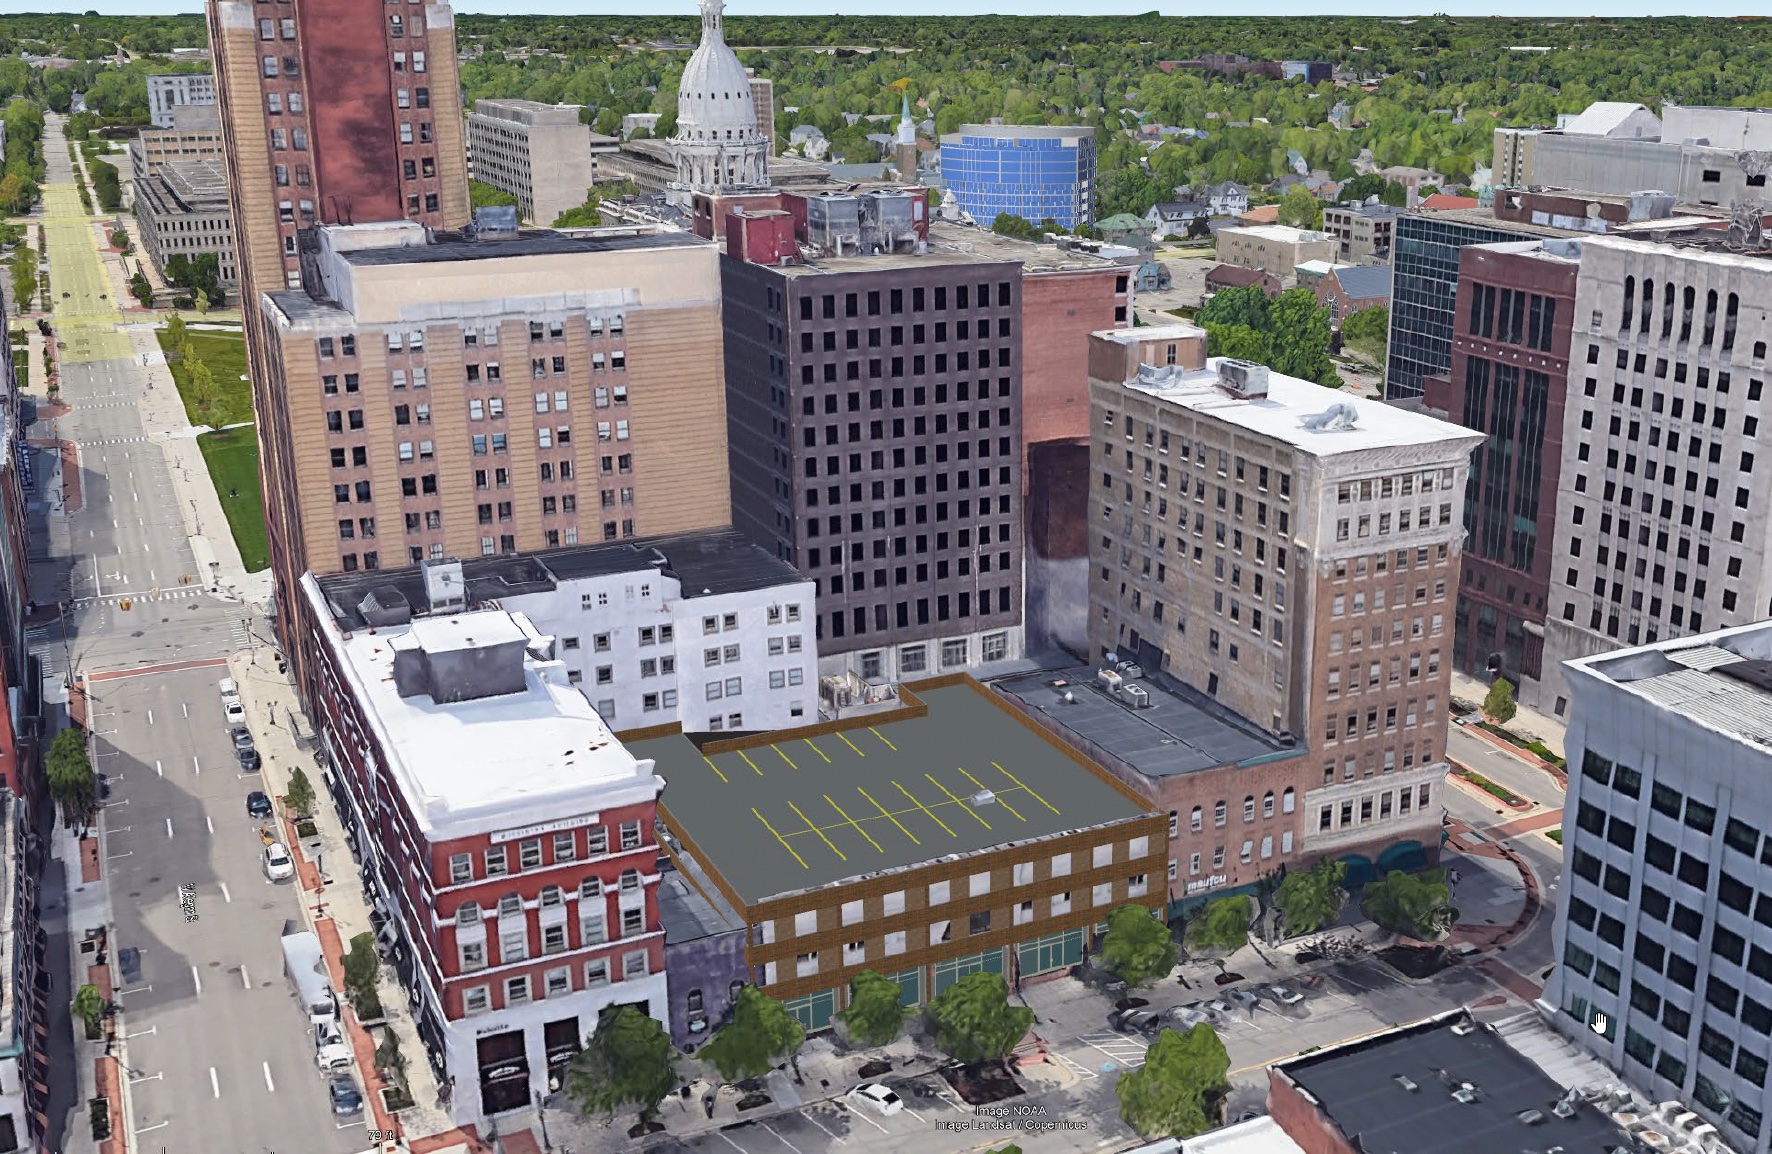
(242, 738)
(278, 865)
(1187, 1017)
(346, 1100)
(879, 1098)
(233, 711)
(1283, 995)
(1135, 1021)
(1218, 1009)
(1242, 998)
(249, 759)
(258, 804)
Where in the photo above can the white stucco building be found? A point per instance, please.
(718, 144)
(169, 90)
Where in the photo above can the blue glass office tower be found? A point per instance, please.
(1033, 171)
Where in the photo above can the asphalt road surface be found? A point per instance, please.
(220, 1060)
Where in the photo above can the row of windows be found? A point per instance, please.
(1375, 673)
(555, 983)
(947, 607)
(895, 335)
(1221, 810)
(1244, 471)
(1352, 731)
(894, 367)
(1688, 298)
(1245, 855)
(567, 846)
(894, 300)
(1330, 817)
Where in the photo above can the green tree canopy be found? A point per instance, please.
(1010, 225)
(760, 1036)
(1221, 926)
(1244, 305)
(1238, 341)
(300, 798)
(1361, 187)
(583, 216)
(362, 971)
(175, 325)
(1394, 194)
(1138, 949)
(1175, 1093)
(483, 195)
(1499, 703)
(875, 1014)
(627, 1062)
(1300, 209)
(1298, 338)
(1369, 325)
(1311, 899)
(1418, 905)
(974, 1021)
(69, 774)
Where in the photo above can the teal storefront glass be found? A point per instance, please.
(1058, 951)
(814, 1010)
(952, 970)
(911, 982)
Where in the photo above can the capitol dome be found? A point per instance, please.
(717, 144)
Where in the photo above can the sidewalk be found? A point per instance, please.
(1527, 722)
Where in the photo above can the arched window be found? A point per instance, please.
(1219, 810)
(1196, 821)
(1287, 801)
(1267, 804)
(467, 914)
(1249, 808)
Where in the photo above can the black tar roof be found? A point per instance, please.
(451, 247)
(809, 812)
(711, 562)
(1356, 1086)
(1182, 731)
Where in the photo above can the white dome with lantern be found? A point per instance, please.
(717, 145)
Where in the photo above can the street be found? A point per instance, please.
(217, 1056)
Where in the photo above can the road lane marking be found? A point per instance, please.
(981, 785)
(210, 822)
(749, 762)
(731, 1143)
(145, 1078)
(225, 896)
(817, 750)
(269, 1085)
(856, 1113)
(156, 1126)
(245, 978)
(143, 1033)
(853, 822)
(150, 717)
(168, 827)
(186, 706)
(1025, 789)
(716, 769)
(838, 1141)
(785, 757)
(197, 979)
(924, 808)
(782, 1140)
(195, 767)
(115, 856)
(158, 772)
(956, 800)
(214, 1084)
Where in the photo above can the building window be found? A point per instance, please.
(472, 955)
(517, 990)
(495, 861)
(596, 973)
(529, 855)
(461, 868)
(476, 1000)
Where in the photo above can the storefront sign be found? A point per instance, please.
(1200, 885)
(560, 826)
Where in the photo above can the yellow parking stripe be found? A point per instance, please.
(882, 737)
(779, 838)
(816, 830)
(816, 750)
(785, 757)
(1000, 800)
(1029, 792)
(925, 809)
(716, 769)
(749, 762)
(853, 822)
(852, 745)
(884, 812)
(957, 801)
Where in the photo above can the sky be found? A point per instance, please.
(1023, 7)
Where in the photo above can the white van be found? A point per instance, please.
(232, 710)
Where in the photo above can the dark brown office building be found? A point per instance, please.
(1510, 366)
(874, 415)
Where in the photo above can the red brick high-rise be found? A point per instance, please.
(332, 112)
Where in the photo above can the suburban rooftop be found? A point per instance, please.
(799, 812)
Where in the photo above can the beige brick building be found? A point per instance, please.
(195, 134)
(1292, 553)
(471, 397)
(1274, 248)
(539, 153)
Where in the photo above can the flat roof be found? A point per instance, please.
(1013, 131)
(1279, 233)
(1315, 420)
(1359, 1087)
(1183, 731)
(1256, 1136)
(537, 242)
(799, 813)
(489, 763)
(1722, 680)
(1485, 218)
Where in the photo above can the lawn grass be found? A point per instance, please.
(1494, 789)
(21, 369)
(225, 354)
(1555, 835)
(232, 455)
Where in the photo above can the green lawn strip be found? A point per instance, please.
(1490, 787)
(1555, 835)
(21, 368)
(1537, 748)
(225, 354)
(232, 455)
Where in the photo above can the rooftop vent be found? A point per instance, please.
(1342, 416)
(1466, 1093)
(1464, 1026)
(984, 797)
(1406, 1082)
(1531, 1117)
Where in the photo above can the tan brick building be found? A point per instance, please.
(1273, 248)
(539, 153)
(470, 397)
(1293, 554)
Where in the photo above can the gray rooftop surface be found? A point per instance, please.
(810, 812)
(1358, 1088)
(1182, 732)
(452, 247)
(1365, 281)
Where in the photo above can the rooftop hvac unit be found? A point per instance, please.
(1109, 679)
(1136, 695)
(1467, 1093)
(1245, 379)
(1130, 670)
(984, 797)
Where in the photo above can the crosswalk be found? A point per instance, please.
(45, 644)
(112, 441)
(136, 598)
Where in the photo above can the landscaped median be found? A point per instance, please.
(1496, 790)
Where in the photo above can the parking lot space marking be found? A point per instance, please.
(1070, 1064)
(749, 762)
(779, 1138)
(784, 756)
(716, 769)
(817, 750)
(856, 1113)
(1129, 1052)
(731, 1143)
(882, 737)
(1024, 788)
(833, 1137)
(1013, 812)
(852, 745)
(956, 800)
(924, 808)
(821, 837)
(779, 838)
(853, 822)
(887, 814)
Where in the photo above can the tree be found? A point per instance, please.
(1298, 338)
(388, 1057)
(200, 381)
(1010, 225)
(1198, 227)
(300, 798)
(760, 1035)
(1243, 305)
(974, 1021)
(69, 774)
(175, 325)
(89, 1007)
(1299, 209)
(178, 269)
(1222, 926)
(875, 1014)
(1177, 1090)
(483, 195)
(1362, 187)
(201, 300)
(1369, 326)
(17, 194)
(1310, 899)
(1238, 341)
(1394, 194)
(362, 970)
(105, 184)
(627, 1062)
(583, 216)
(1426, 190)
(142, 290)
(120, 241)
(1499, 704)
(1419, 905)
(1138, 949)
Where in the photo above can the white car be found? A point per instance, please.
(233, 711)
(1284, 995)
(882, 1099)
(277, 863)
